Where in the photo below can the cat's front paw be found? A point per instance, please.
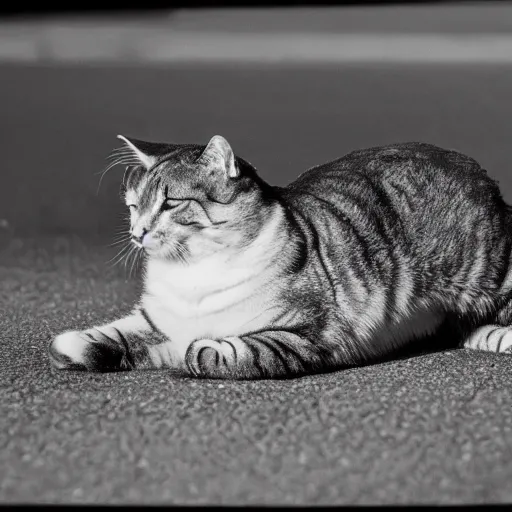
(89, 350)
(211, 358)
(68, 351)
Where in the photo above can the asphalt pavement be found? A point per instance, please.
(430, 429)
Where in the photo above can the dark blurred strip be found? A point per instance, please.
(52, 8)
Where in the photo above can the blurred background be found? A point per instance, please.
(290, 87)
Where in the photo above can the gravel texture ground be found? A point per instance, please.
(435, 428)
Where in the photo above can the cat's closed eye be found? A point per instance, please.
(171, 204)
(132, 207)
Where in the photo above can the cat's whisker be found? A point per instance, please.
(134, 258)
(128, 257)
(124, 219)
(118, 152)
(119, 161)
(135, 261)
(109, 166)
(119, 256)
(181, 253)
(128, 160)
(121, 236)
(129, 262)
(176, 253)
(117, 242)
(113, 158)
(141, 257)
(123, 148)
(134, 264)
(123, 259)
(121, 232)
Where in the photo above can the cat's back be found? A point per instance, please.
(412, 206)
(399, 183)
(410, 167)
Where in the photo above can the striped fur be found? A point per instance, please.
(354, 260)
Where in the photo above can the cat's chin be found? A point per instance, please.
(152, 252)
(163, 253)
(154, 246)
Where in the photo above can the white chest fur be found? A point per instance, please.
(210, 300)
(223, 295)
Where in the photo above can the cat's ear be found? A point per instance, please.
(219, 157)
(145, 152)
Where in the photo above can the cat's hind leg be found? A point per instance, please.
(493, 337)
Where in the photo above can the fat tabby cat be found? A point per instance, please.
(351, 262)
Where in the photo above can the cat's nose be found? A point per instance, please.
(138, 238)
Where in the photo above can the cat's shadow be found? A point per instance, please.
(428, 345)
(447, 339)
(436, 343)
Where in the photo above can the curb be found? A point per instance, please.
(86, 45)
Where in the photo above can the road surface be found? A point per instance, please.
(435, 428)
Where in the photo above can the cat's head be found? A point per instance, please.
(188, 201)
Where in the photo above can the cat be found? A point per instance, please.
(348, 264)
